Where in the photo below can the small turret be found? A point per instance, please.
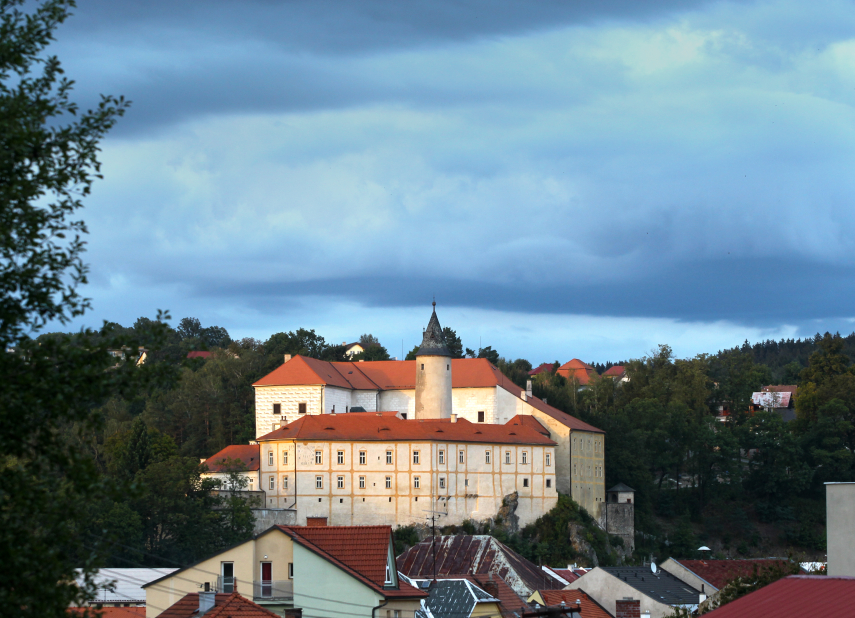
(433, 373)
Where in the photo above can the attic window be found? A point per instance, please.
(330, 428)
(513, 433)
(349, 372)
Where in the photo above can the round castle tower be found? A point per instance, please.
(433, 373)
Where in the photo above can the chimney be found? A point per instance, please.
(453, 418)
(207, 599)
(491, 587)
(287, 357)
(528, 388)
(628, 608)
(544, 400)
(283, 422)
(522, 396)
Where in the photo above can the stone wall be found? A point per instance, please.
(289, 397)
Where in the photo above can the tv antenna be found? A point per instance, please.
(433, 515)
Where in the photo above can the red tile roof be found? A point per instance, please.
(781, 388)
(109, 612)
(795, 596)
(226, 606)
(576, 369)
(565, 574)
(198, 354)
(590, 608)
(541, 368)
(249, 454)
(720, 572)
(374, 426)
(362, 551)
(615, 371)
(570, 421)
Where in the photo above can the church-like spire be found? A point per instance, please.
(433, 343)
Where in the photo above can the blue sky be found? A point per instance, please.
(569, 179)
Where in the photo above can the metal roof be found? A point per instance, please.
(795, 596)
(433, 343)
(771, 399)
(662, 586)
(621, 487)
(455, 598)
(125, 585)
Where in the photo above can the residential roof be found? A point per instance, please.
(773, 399)
(720, 572)
(375, 426)
(361, 551)
(455, 598)
(781, 388)
(478, 555)
(541, 368)
(621, 487)
(615, 371)
(225, 606)
(198, 354)
(125, 585)
(401, 375)
(794, 596)
(433, 343)
(590, 608)
(566, 574)
(249, 454)
(662, 586)
(110, 612)
(510, 603)
(576, 369)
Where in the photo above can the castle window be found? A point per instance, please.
(442, 482)
(341, 457)
(362, 458)
(481, 416)
(319, 482)
(466, 482)
(423, 366)
(319, 457)
(549, 459)
(507, 457)
(285, 458)
(404, 415)
(525, 457)
(416, 482)
(574, 469)
(389, 457)
(486, 457)
(285, 482)
(361, 482)
(272, 483)
(388, 482)
(301, 408)
(415, 457)
(442, 457)
(548, 483)
(340, 482)
(290, 570)
(448, 367)
(277, 408)
(461, 457)
(270, 458)
(525, 482)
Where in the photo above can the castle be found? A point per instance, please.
(386, 442)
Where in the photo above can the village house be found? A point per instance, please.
(434, 386)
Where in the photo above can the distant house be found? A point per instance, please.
(123, 587)
(659, 593)
(352, 349)
(576, 370)
(779, 399)
(543, 368)
(574, 600)
(199, 354)
(710, 576)
(617, 373)
(795, 596)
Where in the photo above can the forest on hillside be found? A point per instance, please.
(750, 486)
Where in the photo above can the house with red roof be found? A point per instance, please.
(332, 571)
(575, 601)
(243, 459)
(617, 373)
(795, 596)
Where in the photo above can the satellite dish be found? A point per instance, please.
(704, 548)
(653, 567)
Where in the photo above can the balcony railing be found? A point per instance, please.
(270, 590)
(262, 589)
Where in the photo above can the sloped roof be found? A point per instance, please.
(582, 372)
(433, 343)
(590, 608)
(478, 555)
(510, 603)
(198, 354)
(362, 551)
(720, 572)
(541, 368)
(662, 587)
(775, 399)
(249, 454)
(384, 427)
(225, 605)
(795, 596)
(781, 388)
(614, 371)
(565, 574)
(127, 583)
(110, 612)
(562, 417)
(455, 598)
(621, 487)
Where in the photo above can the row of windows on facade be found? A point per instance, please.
(301, 409)
(319, 482)
(598, 470)
(390, 457)
(596, 445)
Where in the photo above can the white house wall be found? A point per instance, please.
(289, 397)
(399, 401)
(336, 400)
(467, 402)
